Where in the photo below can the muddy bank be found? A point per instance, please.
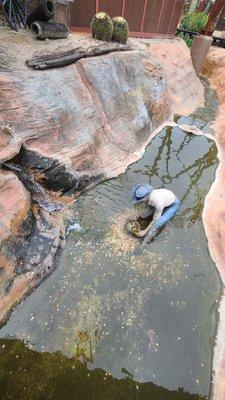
(214, 212)
(71, 128)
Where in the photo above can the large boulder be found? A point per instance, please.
(87, 119)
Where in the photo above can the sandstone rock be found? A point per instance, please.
(9, 143)
(14, 209)
(14, 205)
(184, 89)
(89, 118)
(82, 118)
(30, 240)
(21, 286)
(214, 212)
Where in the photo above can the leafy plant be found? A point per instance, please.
(194, 21)
(188, 40)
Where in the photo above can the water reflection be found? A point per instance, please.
(194, 170)
(28, 375)
(151, 315)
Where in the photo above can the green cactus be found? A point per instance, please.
(102, 27)
(120, 29)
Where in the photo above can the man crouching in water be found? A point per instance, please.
(163, 206)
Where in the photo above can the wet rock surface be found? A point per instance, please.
(76, 126)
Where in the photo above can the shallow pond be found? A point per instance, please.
(146, 318)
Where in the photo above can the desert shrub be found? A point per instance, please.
(188, 40)
(194, 21)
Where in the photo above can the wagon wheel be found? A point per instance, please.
(13, 13)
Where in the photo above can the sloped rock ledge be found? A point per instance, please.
(72, 128)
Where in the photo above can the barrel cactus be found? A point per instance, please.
(102, 27)
(120, 30)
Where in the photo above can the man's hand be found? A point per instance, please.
(140, 233)
(156, 216)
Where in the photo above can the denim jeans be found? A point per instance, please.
(168, 214)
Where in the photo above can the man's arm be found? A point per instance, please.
(157, 214)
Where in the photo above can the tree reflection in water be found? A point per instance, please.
(193, 171)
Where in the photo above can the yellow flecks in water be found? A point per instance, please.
(163, 269)
(117, 237)
(131, 316)
(145, 263)
(88, 257)
(120, 245)
(153, 343)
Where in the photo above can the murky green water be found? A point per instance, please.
(152, 315)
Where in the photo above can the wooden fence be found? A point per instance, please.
(146, 18)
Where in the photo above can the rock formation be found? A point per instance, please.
(214, 212)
